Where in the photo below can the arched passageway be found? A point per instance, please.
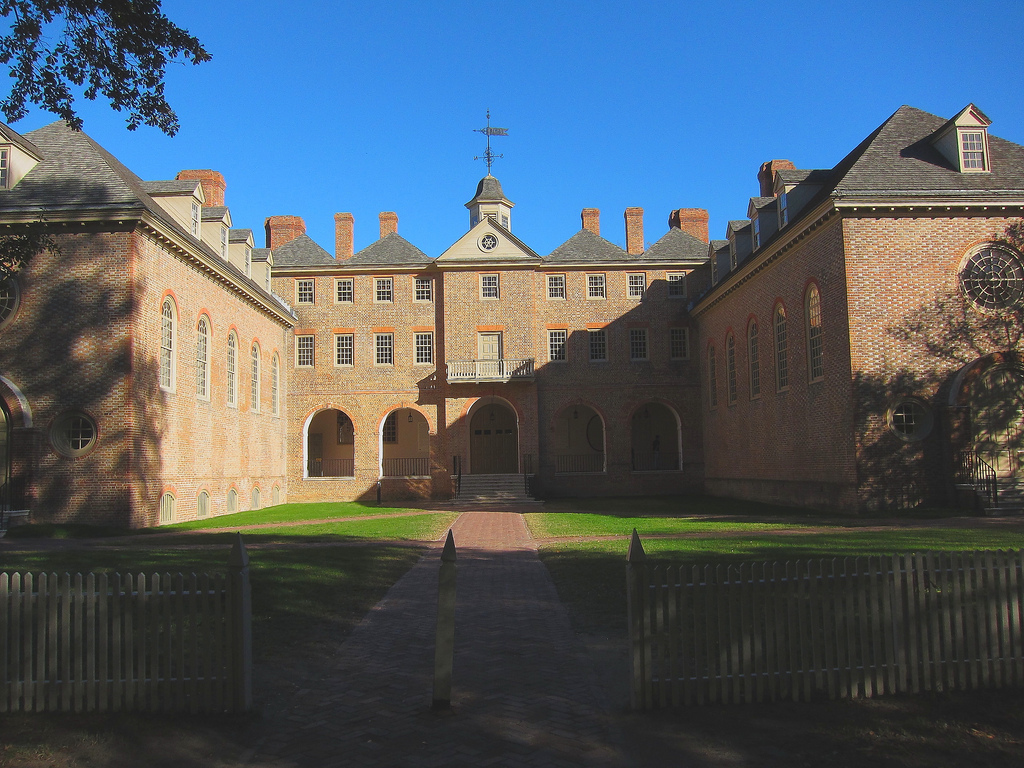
(493, 440)
(405, 444)
(579, 440)
(655, 441)
(997, 419)
(330, 445)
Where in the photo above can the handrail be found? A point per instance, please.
(490, 370)
(331, 468)
(412, 466)
(974, 470)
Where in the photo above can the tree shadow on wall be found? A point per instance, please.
(69, 348)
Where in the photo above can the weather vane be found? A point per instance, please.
(489, 156)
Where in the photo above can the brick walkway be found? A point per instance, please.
(523, 690)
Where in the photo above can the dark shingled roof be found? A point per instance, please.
(585, 246)
(737, 225)
(676, 245)
(239, 235)
(799, 176)
(301, 251)
(899, 158)
(16, 138)
(260, 254)
(390, 250)
(214, 212)
(489, 190)
(761, 202)
(171, 186)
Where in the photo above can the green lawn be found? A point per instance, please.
(286, 513)
(545, 525)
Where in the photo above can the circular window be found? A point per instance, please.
(9, 299)
(910, 420)
(488, 242)
(993, 278)
(73, 434)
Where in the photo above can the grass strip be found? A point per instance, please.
(566, 524)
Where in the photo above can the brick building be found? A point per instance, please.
(850, 344)
(142, 356)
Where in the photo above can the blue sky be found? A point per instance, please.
(310, 108)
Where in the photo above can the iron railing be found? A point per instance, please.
(975, 471)
(654, 461)
(331, 468)
(489, 370)
(582, 462)
(457, 473)
(413, 467)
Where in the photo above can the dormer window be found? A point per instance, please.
(5, 165)
(755, 234)
(783, 210)
(224, 243)
(972, 151)
(196, 219)
(248, 261)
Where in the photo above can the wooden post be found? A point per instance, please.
(444, 639)
(241, 625)
(636, 604)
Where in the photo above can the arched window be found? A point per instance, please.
(275, 495)
(255, 388)
(781, 349)
(203, 360)
(168, 323)
(815, 348)
(753, 360)
(232, 501)
(167, 508)
(730, 367)
(255, 498)
(275, 385)
(712, 378)
(232, 370)
(203, 504)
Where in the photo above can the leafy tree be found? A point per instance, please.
(17, 250)
(115, 48)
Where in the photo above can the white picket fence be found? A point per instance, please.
(108, 642)
(844, 627)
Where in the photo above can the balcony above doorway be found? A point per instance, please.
(474, 371)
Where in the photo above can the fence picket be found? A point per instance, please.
(992, 614)
(5, 624)
(1014, 588)
(15, 641)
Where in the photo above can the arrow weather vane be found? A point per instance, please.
(488, 156)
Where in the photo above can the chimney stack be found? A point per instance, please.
(213, 185)
(388, 223)
(692, 221)
(591, 220)
(766, 175)
(634, 231)
(344, 233)
(283, 229)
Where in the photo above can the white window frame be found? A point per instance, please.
(973, 156)
(597, 286)
(755, 235)
(248, 261)
(349, 284)
(423, 344)
(556, 287)
(167, 508)
(168, 344)
(488, 291)
(305, 291)
(305, 350)
(676, 285)
(384, 349)
(224, 242)
(197, 219)
(813, 332)
(344, 343)
(754, 359)
(558, 345)
(423, 289)
(254, 384)
(203, 358)
(783, 209)
(780, 337)
(383, 290)
(232, 370)
(275, 384)
(637, 284)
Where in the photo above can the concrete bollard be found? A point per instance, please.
(444, 640)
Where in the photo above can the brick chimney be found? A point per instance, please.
(344, 232)
(388, 223)
(692, 221)
(591, 220)
(283, 229)
(634, 231)
(766, 176)
(213, 185)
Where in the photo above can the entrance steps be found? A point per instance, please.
(1011, 499)
(475, 490)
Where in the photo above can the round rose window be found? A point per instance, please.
(993, 278)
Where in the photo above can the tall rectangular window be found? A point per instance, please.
(275, 386)
(557, 345)
(753, 360)
(304, 291)
(781, 350)
(344, 291)
(637, 286)
(5, 170)
(197, 218)
(730, 368)
(679, 343)
(385, 346)
(556, 286)
(755, 235)
(203, 360)
(224, 243)
(595, 287)
(783, 210)
(676, 285)
(390, 431)
(304, 355)
(712, 379)
(232, 387)
(424, 289)
(972, 148)
(598, 344)
(384, 289)
(424, 348)
(254, 389)
(488, 286)
(637, 343)
(344, 353)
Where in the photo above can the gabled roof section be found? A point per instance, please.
(391, 250)
(509, 249)
(11, 136)
(789, 176)
(240, 236)
(261, 254)
(301, 252)
(171, 187)
(584, 248)
(899, 158)
(678, 246)
(217, 213)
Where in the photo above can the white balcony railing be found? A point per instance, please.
(490, 370)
